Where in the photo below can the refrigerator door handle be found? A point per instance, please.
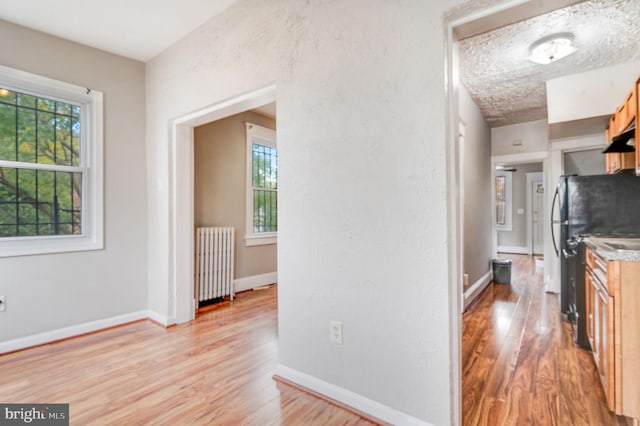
(553, 235)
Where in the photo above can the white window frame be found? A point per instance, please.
(508, 226)
(91, 159)
(266, 137)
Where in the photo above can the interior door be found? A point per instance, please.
(537, 233)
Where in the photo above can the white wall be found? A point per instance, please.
(49, 292)
(517, 237)
(532, 136)
(363, 212)
(591, 93)
(476, 168)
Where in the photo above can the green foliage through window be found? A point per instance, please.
(40, 177)
(265, 188)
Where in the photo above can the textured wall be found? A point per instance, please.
(47, 292)
(363, 214)
(219, 187)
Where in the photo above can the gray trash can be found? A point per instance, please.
(502, 271)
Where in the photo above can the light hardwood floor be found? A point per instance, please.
(520, 366)
(213, 371)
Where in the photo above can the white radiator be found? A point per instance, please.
(214, 262)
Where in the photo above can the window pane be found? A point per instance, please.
(501, 217)
(48, 131)
(39, 202)
(265, 166)
(46, 143)
(27, 146)
(265, 211)
(7, 132)
(26, 100)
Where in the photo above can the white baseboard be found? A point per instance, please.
(67, 332)
(161, 319)
(248, 283)
(472, 292)
(346, 397)
(513, 249)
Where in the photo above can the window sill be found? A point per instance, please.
(505, 228)
(260, 240)
(27, 246)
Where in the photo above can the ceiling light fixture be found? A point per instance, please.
(552, 48)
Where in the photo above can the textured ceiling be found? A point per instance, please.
(510, 89)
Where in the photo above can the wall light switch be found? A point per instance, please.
(520, 211)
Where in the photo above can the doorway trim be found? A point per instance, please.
(532, 177)
(181, 199)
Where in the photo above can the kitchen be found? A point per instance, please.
(578, 108)
(599, 250)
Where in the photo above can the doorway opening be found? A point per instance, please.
(235, 205)
(181, 193)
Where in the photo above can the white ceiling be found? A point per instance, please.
(138, 29)
(268, 110)
(510, 89)
(493, 65)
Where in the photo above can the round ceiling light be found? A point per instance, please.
(552, 48)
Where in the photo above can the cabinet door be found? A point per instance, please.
(597, 324)
(637, 100)
(605, 349)
(589, 294)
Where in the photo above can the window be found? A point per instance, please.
(50, 165)
(262, 186)
(503, 201)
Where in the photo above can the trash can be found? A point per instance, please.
(502, 271)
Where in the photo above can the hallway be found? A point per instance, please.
(519, 364)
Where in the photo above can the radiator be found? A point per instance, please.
(214, 263)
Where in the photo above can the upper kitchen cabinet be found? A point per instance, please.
(621, 134)
(636, 104)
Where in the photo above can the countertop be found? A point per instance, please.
(606, 252)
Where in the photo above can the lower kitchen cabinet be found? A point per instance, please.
(613, 328)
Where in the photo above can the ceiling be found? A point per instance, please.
(510, 89)
(138, 29)
(493, 65)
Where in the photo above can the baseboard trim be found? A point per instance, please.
(472, 292)
(68, 332)
(249, 283)
(513, 249)
(365, 407)
(161, 320)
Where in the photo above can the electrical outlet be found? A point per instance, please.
(2, 304)
(335, 329)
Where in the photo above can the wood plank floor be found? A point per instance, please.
(520, 366)
(213, 371)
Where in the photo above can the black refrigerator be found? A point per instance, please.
(599, 205)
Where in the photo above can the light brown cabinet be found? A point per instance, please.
(637, 108)
(613, 328)
(600, 321)
(624, 118)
